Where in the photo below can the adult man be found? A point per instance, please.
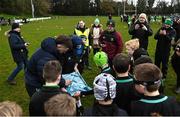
(19, 51)
(111, 41)
(141, 30)
(51, 49)
(164, 36)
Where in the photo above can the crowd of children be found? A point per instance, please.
(128, 83)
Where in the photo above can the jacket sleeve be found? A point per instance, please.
(132, 29)
(149, 30)
(119, 43)
(13, 41)
(157, 35)
(40, 65)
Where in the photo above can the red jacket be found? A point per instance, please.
(113, 43)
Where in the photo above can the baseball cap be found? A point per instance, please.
(100, 59)
(104, 87)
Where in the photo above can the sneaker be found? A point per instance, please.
(11, 82)
(177, 90)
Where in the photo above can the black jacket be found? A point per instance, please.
(176, 26)
(157, 105)
(47, 52)
(18, 49)
(36, 105)
(141, 34)
(164, 41)
(104, 110)
(125, 92)
(175, 60)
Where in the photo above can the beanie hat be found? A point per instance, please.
(143, 15)
(15, 25)
(100, 59)
(140, 52)
(104, 87)
(143, 59)
(110, 22)
(96, 21)
(168, 22)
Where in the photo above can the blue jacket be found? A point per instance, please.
(47, 52)
(18, 49)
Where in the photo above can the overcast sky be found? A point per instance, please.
(154, 4)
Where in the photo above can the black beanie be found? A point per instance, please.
(14, 26)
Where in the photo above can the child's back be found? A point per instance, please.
(155, 106)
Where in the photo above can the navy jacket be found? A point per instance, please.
(47, 52)
(18, 49)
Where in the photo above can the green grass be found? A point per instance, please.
(35, 32)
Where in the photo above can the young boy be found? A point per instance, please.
(125, 85)
(101, 60)
(60, 105)
(148, 79)
(52, 75)
(104, 93)
(10, 109)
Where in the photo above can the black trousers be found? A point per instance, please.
(85, 57)
(162, 58)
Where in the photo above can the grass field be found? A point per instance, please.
(35, 32)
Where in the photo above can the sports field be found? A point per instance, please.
(35, 32)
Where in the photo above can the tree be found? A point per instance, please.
(150, 5)
(141, 6)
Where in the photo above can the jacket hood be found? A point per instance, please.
(49, 45)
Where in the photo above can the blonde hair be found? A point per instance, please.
(8, 108)
(60, 105)
(133, 44)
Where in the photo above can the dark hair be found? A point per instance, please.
(64, 40)
(52, 69)
(140, 52)
(148, 73)
(143, 59)
(121, 62)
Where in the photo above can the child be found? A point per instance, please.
(101, 60)
(125, 85)
(131, 46)
(176, 66)
(60, 105)
(148, 79)
(52, 75)
(95, 31)
(10, 109)
(104, 93)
